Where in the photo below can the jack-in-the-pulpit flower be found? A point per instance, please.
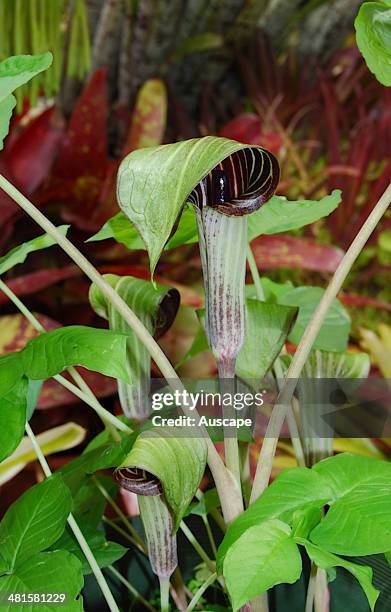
(156, 306)
(236, 187)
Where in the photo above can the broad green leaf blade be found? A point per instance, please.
(6, 107)
(12, 418)
(19, 254)
(281, 215)
(156, 306)
(17, 70)
(265, 555)
(105, 552)
(49, 572)
(155, 183)
(49, 354)
(373, 35)
(334, 333)
(34, 521)
(279, 501)
(327, 560)
(51, 441)
(267, 327)
(88, 501)
(358, 521)
(174, 459)
(121, 229)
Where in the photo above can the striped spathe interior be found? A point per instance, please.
(239, 184)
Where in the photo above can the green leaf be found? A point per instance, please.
(373, 35)
(282, 215)
(305, 519)
(105, 552)
(123, 231)
(49, 572)
(100, 457)
(89, 503)
(334, 333)
(267, 327)
(12, 418)
(326, 560)
(6, 107)
(35, 521)
(209, 501)
(281, 500)
(33, 391)
(273, 291)
(358, 521)
(19, 254)
(18, 69)
(277, 216)
(265, 555)
(50, 353)
(175, 459)
(154, 184)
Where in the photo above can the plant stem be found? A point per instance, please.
(123, 533)
(255, 274)
(231, 500)
(198, 594)
(210, 534)
(276, 421)
(121, 515)
(76, 530)
(309, 602)
(131, 588)
(164, 593)
(197, 547)
(290, 417)
(85, 393)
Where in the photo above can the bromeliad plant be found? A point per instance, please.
(337, 508)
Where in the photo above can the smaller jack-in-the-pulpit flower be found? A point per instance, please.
(164, 468)
(156, 306)
(323, 378)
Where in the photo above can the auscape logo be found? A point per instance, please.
(203, 421)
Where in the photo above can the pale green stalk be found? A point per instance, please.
(252, 264)
(230, 497)
(123, 533)
(131, 588)
(164, 593)
(198, 594)
(76, 531)
(197, 547)
(265, 461)
(119, 512)
(86, 394)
